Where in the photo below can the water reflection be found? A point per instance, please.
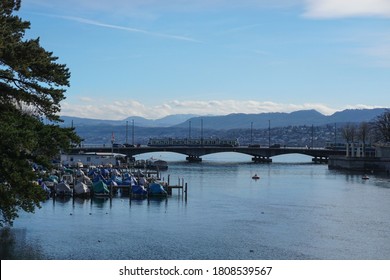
(81, 201)
(14, 245)
(61, 199)
(327, 215)
(100, 202)
(103, 202)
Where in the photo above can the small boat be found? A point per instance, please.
(81, 189)
(365, 177)
(156, 164)
(156, 189)
(63, 189)
(67, 179)
(138, 191)
(100, 188)
(255, 177)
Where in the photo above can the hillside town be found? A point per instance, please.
(292, 136)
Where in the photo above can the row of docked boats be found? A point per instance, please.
(102, 182)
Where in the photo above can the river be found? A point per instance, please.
(295, 211)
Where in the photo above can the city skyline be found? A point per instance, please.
(158, 58)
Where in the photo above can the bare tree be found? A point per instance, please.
(349, 134)
(382, 127)
(363, 133)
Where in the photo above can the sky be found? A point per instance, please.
(153, 58)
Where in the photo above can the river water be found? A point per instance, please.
(296, 210)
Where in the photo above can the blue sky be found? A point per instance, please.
(153, 58)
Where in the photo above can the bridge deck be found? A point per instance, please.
(198, 151)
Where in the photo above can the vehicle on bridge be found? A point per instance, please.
(275, 146)
(193, 142)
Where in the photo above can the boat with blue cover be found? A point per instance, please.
(138, 191)
(156, 189)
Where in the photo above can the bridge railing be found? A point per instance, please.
(242, 146)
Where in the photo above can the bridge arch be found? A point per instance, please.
(292, 157)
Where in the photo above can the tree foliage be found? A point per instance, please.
(32, 85)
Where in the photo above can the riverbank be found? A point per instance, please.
(363, 164)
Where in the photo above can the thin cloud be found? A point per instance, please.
(121, 109)
(158, 6)
(347, 8)
(128, 29)
(380, 53)
(371, 46)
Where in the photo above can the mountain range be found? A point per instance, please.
(167, 121)
(232, 121)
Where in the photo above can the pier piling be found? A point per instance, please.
(185, 192)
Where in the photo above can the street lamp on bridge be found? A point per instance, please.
(251, 133)
(269, 133)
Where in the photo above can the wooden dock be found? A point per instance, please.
(150, 176)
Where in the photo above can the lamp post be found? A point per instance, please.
(312, 136)
(269, 133)
(132, 133)
(127, 131)
(189, 129)
(201, 132)
(112, 142)
(251, 133)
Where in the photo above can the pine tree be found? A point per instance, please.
(32, 85)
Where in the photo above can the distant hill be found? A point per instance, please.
(356, 115)
(303, 117)
(229, 126)
(138, 121)
(167, 121)
(232, 121)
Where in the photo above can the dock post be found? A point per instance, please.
(130, 194)
(74, 183)
(185, 191)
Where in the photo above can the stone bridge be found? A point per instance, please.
(259, 154)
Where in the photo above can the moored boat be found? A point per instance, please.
(156, 164)
(81, 189)
(156, 189)
(63, 189)
(100, 188)
(138, 191)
